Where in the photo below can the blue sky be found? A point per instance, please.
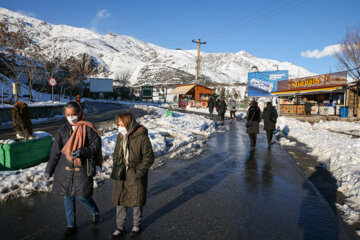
(285, 30)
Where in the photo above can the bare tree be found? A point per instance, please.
(123, 78)
(31, 63)
(10, 44)
(349, 54)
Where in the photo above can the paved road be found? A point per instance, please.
(103, 116)
(226, 193)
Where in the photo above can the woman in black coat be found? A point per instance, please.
(211, 105)
(269, 115)
(253, 113)
(69, 167)
(222, 109)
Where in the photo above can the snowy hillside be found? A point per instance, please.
(145, 62)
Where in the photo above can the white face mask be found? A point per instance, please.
(122, 130)
(72, 119)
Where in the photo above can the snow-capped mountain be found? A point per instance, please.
(144, 62)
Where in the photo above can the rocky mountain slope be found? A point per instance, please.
(145, 63)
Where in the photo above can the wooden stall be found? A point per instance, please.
(326, 93)
(193, 95)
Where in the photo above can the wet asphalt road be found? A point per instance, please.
(228, 192)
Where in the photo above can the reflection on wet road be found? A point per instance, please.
(228, 192)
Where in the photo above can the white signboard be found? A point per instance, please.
(326, 111)
(101, 85)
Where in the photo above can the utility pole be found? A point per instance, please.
(198, 59)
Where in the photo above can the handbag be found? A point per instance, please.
(118, 172)
(249, 122)
(90, 167)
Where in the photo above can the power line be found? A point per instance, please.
(220, 29)
(257, 19)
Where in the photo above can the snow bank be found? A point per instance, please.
(182, 135)
(240, 113)
(339, 152)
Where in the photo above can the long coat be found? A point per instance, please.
(254, 128)
(308, 106)
(72, 183)
(222, 107)
(268, 124)
(132, 191)
(211, 104)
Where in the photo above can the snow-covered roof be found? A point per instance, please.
(182, 89)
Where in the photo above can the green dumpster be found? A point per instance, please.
(25, 154)
(169, 113)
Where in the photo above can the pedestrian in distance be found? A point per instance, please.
(222, 109)
(232, 109)
(133, 148)
(217, 104)
(270, 117)
(76, 145)
(253, 116)
(308, 108)
(211, 105)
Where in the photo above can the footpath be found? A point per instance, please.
(228, 192)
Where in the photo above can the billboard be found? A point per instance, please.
(101, 85)
(262, 84)
(317, 81)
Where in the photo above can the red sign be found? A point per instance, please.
(52, 82)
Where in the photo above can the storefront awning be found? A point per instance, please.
(307, 92)
(181, 90)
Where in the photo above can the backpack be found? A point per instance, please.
(273, 116)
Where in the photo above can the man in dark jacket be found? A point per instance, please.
(217, 104)
(211, 105)
(269, 115)
(222, 109)
(308, 108)
(253, 115)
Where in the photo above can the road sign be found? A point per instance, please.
(52, 82)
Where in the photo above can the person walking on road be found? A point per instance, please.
(222, 109)
(217, 104)
(270, 116)
(211, 105)
(253, 116)
(232, 109)
(76, 142)
(308, 108)
(133, 148)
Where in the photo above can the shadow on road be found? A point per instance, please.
(198, 187)
(308, 219)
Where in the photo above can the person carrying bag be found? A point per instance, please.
(133, 157)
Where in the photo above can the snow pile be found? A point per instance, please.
(182, 135)
(339, 153)
(240, 113)
(352, 128)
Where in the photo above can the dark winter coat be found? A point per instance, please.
(217, 103)
(72, 183)
(254, 128)
(308, 106)
(222, 107)
(268, 112)
(132, 191)
(211, 105)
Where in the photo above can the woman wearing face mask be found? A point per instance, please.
(76, 141)
(133, 147)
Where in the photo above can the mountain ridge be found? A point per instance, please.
(146, 63)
